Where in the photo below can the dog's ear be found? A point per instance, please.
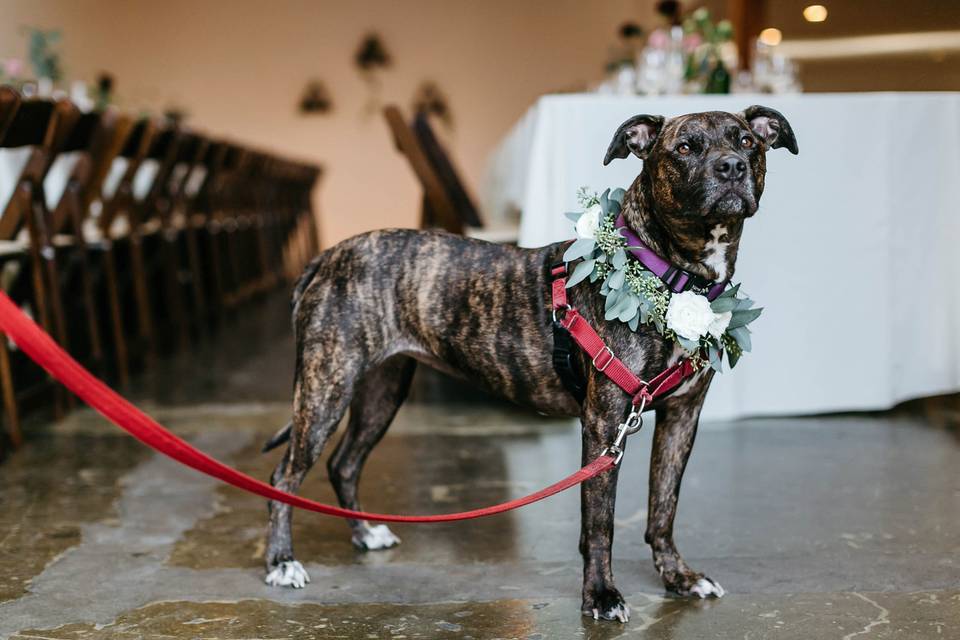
(770, 125)
(635, 136)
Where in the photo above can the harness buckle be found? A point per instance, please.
(696, 283)
(605, 364)
(564, 308)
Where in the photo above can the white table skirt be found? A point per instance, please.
(853, 254)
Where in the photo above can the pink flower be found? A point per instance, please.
(691, 41)
(659, 39)
(13, 67)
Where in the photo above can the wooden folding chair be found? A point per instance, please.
(96, 140)
(447, 203)
(123, 258)
(200, 201)
(304, 179)
(66, 225)
(438, 209)
(32, 261)
(151, 220)
(227, 206)
(300, 241)
(185, 182)
(9, 104)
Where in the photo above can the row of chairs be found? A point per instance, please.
(128, 238)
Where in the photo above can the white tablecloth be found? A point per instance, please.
(854, 252)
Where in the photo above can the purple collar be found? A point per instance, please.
(674, 277)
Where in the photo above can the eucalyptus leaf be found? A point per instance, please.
(742, 318)
(605, 201)
(731, 292)
(622, 303)
(574, 215)
(690, 345)
(581, 271)
(630, 309)
(721, 305)
(580, 248)
(612, 299)
(616, 278)
(619, 259)
(744, 303)
(634, 322)
(611, 310)
(618, 195)
(742, 336)
(595, 275)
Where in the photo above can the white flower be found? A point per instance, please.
(588, 223)
(689, 315)
(719, 324)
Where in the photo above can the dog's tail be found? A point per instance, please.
(278, 438)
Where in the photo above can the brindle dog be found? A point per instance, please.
(366, 310)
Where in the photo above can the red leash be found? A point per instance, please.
(32, 340)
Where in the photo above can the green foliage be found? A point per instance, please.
(44, 58)
(635, 296)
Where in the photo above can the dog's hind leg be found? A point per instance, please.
(375, 403)
(321, 396)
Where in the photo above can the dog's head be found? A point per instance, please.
(708, 166)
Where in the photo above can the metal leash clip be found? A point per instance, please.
(628, 427)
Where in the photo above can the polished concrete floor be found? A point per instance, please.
(842, 527)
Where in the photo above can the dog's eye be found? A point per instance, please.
(684, 149)
(746, 142)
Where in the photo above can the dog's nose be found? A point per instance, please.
(730, 167)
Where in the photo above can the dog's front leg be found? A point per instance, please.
(672, 441)
(601, 599)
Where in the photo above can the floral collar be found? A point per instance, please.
(635, 295)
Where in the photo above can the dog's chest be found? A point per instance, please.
(715, 252)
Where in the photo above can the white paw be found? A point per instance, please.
(620, 612)
(288, 574)
(374, 538)
(706, 587)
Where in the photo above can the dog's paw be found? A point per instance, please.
(607, 605)
(693, 585)
(705, 588)
(288, 574)
(374, 538)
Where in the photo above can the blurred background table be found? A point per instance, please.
(853, 252)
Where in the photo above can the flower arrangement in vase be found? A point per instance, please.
(711, 53)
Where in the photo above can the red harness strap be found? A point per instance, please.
(603, 358)
(34, 342)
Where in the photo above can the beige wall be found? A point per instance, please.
(238, 68)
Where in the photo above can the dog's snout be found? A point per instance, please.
(730, 167)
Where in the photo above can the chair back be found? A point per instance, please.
(438, 209)
(445, 171)
(39, 127)
(9, 103)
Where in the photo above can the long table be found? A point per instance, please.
(853, 254)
